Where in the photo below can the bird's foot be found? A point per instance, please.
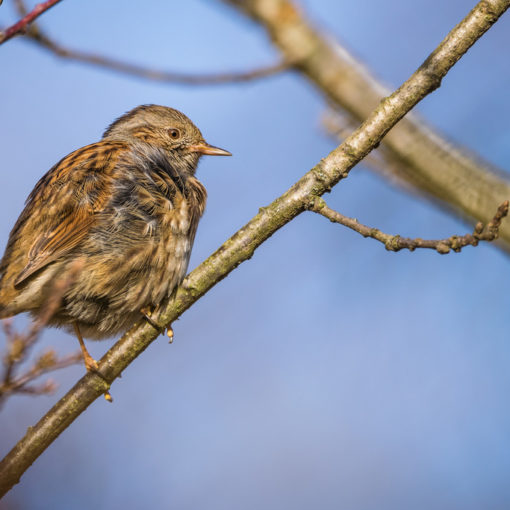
(90, 363)
(92, 366)
(147, 313)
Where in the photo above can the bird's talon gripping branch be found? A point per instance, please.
(146, 312)
(90, 363)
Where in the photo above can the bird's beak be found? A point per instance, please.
(210, 150)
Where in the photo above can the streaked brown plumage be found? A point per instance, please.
(128, 206)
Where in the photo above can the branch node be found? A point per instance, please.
(442, 248)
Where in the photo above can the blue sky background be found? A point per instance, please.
(325, 372)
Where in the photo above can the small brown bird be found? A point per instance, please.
(127, 209)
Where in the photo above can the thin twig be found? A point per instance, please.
(481, 232)
(22, 25)
(156, 74)
(19, 345)
(47, 362)
(241, 246)
(45, 388)
(41, 38)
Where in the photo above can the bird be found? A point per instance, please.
(125, 210)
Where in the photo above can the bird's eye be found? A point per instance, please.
(174, 133)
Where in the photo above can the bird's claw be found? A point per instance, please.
(92, 366)
(147, 315)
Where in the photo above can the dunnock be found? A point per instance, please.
(127, 207)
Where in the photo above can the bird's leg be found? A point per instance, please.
(90, 363)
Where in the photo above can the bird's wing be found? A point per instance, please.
(68, 199)
(50, 245)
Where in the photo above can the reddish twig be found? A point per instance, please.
(22, 25)
(481, 232)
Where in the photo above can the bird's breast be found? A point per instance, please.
(176, 217)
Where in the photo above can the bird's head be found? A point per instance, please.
(167, 129)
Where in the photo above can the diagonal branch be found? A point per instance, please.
(241, 246)
(22, 24)
(422, 157)
(481, 232)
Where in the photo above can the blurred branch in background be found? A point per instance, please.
(241, 246)
(420, 156)
(20, 345)
(28, 17)
(18, 349)
(41, 38)
(481, 232)
(36, 35)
